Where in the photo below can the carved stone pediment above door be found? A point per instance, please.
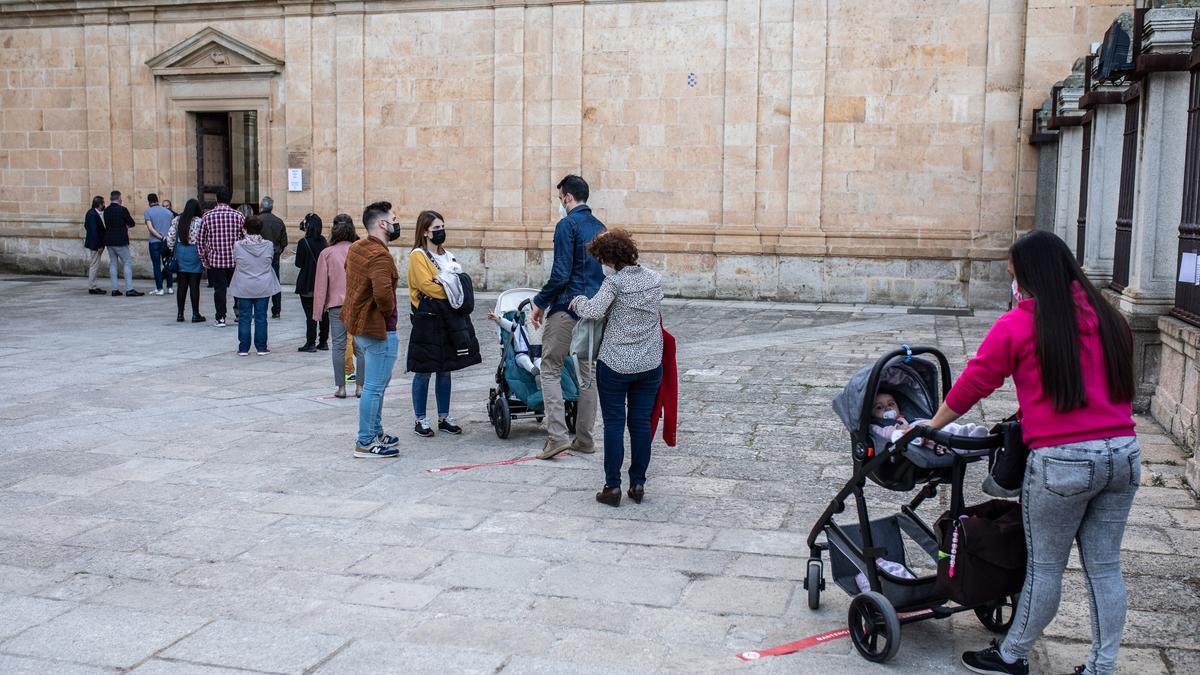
(215, 53)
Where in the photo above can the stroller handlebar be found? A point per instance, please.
(963, 446)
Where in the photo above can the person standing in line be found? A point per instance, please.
(275, 232)
(307, 252)
(369, 312)
(181, 239)
(93, 241)
(329, 292)
(167, 205)
(574, 273)
(629, 368)
(158, 221)
(429, 351)
(117, 223)
(219, 229)
(252, 286)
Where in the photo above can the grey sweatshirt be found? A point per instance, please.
(252, 273)
(633, 337)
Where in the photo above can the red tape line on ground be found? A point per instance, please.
(505, 462)
(810, 641)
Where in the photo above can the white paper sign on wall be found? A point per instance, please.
(295, 180)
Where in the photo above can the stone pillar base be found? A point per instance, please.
(1143, 316)
(1176, 402)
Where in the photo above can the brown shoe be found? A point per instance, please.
(553, 448)
(610, 496)
(636, 493)
(576, 446)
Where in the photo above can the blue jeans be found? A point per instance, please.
(380, 357)
(115, 254)
(1078, 492)
(420, 393)
(248, 308)
(638, 392)
(156, 248)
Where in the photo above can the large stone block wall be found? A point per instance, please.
(814, 139)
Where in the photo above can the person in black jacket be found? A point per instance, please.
(93, 241)
(117, 223)
(307, 251)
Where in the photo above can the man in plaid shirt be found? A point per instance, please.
(219, 229)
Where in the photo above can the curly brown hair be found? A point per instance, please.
(614, 247)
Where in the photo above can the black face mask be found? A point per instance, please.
(393, 232)
(438, 237)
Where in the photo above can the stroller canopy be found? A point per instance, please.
(913, 383)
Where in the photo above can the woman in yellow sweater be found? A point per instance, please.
(427, 260)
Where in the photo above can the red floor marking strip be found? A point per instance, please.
(505, 462)
(810, 641)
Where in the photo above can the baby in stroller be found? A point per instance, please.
(889, 423)
(526, 338)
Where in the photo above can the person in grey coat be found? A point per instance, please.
(253, 284)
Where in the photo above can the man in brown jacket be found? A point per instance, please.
(369, 313)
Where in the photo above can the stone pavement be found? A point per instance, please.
(169, 507)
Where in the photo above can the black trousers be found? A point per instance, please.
(189, 284)
(310, 334)
(277, 299)
(220, 278)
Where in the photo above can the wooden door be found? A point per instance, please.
(214, 165)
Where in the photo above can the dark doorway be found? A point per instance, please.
(227, 156)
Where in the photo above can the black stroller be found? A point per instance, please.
(896, 595)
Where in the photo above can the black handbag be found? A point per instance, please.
(981, 553)
(1006, 464)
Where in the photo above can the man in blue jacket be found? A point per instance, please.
(574, 273)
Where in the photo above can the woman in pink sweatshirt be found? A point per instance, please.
(1070, 355)
(329, 291)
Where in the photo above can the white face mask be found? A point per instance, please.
(889, 414)
(1016, 292)
(608, 271)
(562, 210)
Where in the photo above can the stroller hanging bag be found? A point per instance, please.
(982, 557)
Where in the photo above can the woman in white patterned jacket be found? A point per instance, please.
(629, 368)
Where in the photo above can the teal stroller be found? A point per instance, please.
(517, 394)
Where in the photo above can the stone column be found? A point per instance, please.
(298, 107)
(99, 121)
(349, 76)
(1066, 201)
(1153, 250)
(1104, 186)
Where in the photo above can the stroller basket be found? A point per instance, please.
(887, 535)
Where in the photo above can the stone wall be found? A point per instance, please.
(839, 151)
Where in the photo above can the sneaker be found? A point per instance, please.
(576, 446)
(553, 448)
(116, 293)
(264, 351)
(134, 294)
(447, 425)
(274, 315)
(158, 291)
(384, 439)
(352, 378)
(375, 450)
(422, 428)
(199, 319)
(95, 291)
(243, 353)
(171, 290)
(324, 347)
(219, 323)
(989, 662)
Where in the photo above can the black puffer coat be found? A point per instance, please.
(443, 338)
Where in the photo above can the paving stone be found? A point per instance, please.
(484, 634)
(496, 496)
(388, 593)
(46, 529)
(386, 656)
(761, 541)
(144, 469)
(255, 646)
(655, 534)
(109, 636)
(72, 486)
(682, 559)
(738, 596)
(19, 613)
(24, 665)
(25, 580)
(77, 587)
(472, 570)
(325, 507)
(616, 652)
(431, 515)
(616, 584)
(204, 543)
(125, 536)
(166, 667)
(296, 551)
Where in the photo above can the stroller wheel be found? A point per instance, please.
(813, 583)
(998, 616)
(874, 627)
(503, 419)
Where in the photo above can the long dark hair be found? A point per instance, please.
(1046, 269)
(191, 211)
(312, 226)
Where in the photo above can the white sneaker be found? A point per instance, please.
(158, 292)
(171, 290)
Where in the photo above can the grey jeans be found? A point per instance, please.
(115, 254)
(337, 331)
(556, 346)
(1078, 492)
